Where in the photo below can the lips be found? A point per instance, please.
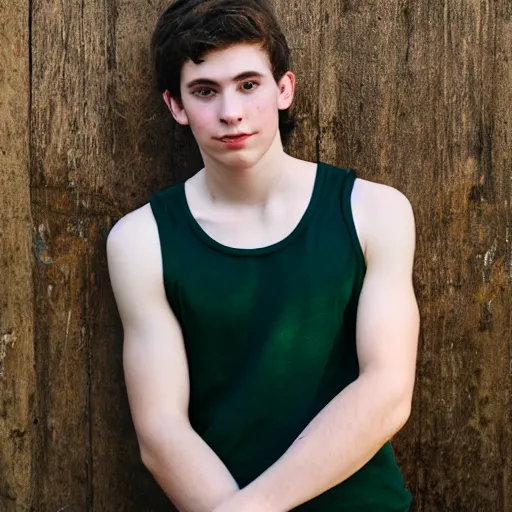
(235, 137)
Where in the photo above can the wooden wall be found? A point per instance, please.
(414, 94)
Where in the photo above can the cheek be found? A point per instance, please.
(200, 117)
(267, 109)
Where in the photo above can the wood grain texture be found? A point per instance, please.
(413, 94)
(60, 205)
(303, 28)
(17, 374)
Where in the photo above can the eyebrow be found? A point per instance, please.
(237, 78)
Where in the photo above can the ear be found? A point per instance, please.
(286, 86)
(176, 107)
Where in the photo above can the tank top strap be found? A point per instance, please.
(168, 213)
(337, 190)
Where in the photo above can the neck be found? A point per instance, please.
(248, 184)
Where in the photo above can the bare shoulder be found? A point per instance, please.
(383, 216)
(134, 241)
(133, 248)
(130, 229)
(377, 199)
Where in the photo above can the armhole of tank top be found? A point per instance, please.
(346, 207)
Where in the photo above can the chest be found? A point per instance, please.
(313, 275)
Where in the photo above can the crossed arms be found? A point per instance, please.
(335, 444)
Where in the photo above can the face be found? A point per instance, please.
(231, 102)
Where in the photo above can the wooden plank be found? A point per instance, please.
(418, 94)
(465, 390)
(304, 43)
(17, 377)
(60, 216)
(500, 105)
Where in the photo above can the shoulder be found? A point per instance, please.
(134, 238)
(375, 199)
(132, 226)
(383, 216)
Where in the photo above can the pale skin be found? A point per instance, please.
(252, 197)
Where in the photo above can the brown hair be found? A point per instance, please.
(188, 29)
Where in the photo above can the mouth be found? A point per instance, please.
(239, 137)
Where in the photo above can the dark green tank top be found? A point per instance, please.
(270, 336)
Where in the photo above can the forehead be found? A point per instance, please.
(223, 65)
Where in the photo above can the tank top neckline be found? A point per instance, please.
(257, 251)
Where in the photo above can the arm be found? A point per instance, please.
(156, 371)
(336, 444)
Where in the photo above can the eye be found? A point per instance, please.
(203, 93)
(250, 85)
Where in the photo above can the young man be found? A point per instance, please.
(270, 323)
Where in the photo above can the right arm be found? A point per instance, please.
(156, 371)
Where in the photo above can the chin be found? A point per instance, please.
(241, 159)
(238, 159)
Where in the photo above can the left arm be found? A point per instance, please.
(336, 444)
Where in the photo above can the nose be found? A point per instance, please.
(231, 110)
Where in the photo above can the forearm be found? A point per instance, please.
(342, 438)
(187, 469)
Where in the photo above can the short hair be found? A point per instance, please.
(188, 29)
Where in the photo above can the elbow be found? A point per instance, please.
(148, 458)
(157, 463)
(146, 437)
(392, 402)
(402, 414)
(398, 415)
(160, 440)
